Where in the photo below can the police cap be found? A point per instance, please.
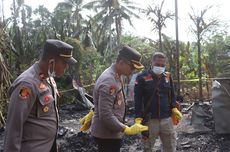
(131, 55)
(61, 49)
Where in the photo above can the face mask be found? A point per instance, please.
(52, 74)
(158, 70)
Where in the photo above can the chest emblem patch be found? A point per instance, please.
(45, 109)
(148, 78)
(47, 98)
(42, 86)
(112, 90)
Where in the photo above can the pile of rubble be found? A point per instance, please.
(192, 135)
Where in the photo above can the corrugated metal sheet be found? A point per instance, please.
(221, 106)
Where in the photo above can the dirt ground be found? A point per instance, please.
(190, 138)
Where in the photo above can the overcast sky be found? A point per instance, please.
(220, 9)
(143, 26)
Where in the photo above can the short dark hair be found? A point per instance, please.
(158, 55)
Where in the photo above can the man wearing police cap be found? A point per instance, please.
(109, 105)
(32, 118)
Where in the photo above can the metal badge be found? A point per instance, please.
(45, 109)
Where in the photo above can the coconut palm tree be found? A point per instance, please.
(158, 18)
(19, 32)
(70, 12)
(108, 20)
(201, 27)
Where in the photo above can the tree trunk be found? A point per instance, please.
(160, 41)
(199, 67)
(177, 50)
(118, 29)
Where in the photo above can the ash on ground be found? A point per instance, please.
(190, 137)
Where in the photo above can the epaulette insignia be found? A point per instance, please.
(112, 90)
(148, 78)
(24, 93)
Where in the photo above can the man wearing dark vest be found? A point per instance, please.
(155, 103)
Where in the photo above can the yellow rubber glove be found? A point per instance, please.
(136, 128)
(177, 113)
(86, 121)
(138, 120)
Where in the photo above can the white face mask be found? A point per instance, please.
(158, 70)
(52, 74)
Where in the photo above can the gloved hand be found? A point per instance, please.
(145, 134)
(177, 113)
(86, 121)
(138, 120)
(136, 128)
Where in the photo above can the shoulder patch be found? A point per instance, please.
(24, 92)
(148, 78)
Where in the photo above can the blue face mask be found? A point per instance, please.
(158, 70)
